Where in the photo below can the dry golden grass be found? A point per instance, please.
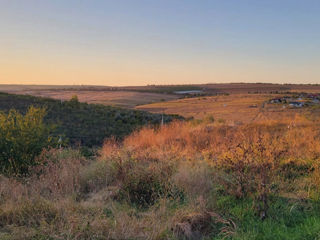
(163, 183)
(236, 108)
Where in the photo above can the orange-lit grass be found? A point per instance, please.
(73, 197)
(254, 153)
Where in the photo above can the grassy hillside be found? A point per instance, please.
(182, 181)
(82, 123)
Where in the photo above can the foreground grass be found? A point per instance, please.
(183, 181)
(287, 220)
(91, 220)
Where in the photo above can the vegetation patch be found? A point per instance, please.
(179, 181)
(81, 123)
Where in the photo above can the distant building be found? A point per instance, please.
(278, 100)
(296, 104)
(189, 92)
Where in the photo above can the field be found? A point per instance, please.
(126, 99)
(132, 96)
(234, 108)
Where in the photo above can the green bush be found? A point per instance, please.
(22, 138)
(143, 188)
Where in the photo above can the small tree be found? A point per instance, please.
(22, 138)
(74, 99)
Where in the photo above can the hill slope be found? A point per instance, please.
(87, 124)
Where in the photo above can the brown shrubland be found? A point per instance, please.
(133, 188)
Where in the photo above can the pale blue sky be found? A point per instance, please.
(159, 42)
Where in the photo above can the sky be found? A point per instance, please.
(140, 42)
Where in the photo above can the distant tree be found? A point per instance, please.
(74, 102)
(209, 118)
(22, 138)
(74, 99)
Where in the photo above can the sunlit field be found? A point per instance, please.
(233, 109)
(127, 99)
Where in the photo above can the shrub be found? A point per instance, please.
(208, 119)
(22, 138)
(143, 185)
(142, 181)
(251, 163)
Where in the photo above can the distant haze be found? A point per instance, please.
(143, 42)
